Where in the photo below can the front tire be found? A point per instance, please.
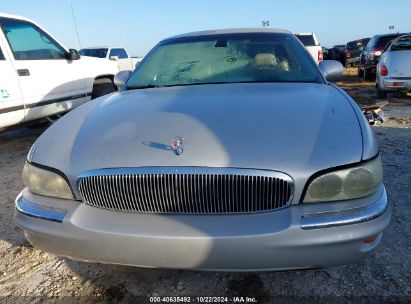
(103, 86)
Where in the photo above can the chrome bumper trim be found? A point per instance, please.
(39, 211)
(345, 217)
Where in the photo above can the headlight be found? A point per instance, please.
(45, 182)
(359, 181)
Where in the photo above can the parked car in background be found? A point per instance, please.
(118, 54)
(353, 50)
(311, 43)
(371, 53)
(337, 52)
(39, 77)
(394, 67)
(200, 163)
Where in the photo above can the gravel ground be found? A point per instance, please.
(30, 275)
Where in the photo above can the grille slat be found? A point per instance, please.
(186, 190)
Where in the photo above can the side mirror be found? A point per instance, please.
(121, 78)
(115, 58)
(331, 68)
(73, 55)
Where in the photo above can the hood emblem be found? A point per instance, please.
(177, 144)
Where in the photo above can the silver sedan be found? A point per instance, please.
(394, 67)
(224, 150)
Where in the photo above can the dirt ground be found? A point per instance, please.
(30, 275)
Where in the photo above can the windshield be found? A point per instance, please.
(403, 43)
(98, 53)
(225, 59)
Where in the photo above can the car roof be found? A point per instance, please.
(402, 36)
(5, 15)
(229, 31)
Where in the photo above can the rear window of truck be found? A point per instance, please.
(402, 44)
(307, 40)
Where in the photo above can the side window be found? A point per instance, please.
(28, 42)
(120, 53)
(1, 55)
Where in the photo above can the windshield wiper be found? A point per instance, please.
(145, 86)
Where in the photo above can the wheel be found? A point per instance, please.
(380, 93)
(102, 87)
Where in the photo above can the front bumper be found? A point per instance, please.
(300, 236)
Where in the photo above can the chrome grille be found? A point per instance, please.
(188, 190)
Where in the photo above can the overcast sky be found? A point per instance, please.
(139, 25)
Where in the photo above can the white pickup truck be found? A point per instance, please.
(39, 77)
(312, 45)
(118, 54)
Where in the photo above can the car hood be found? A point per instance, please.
(298, 129)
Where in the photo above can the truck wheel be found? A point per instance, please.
(102, 87)
(380, 93)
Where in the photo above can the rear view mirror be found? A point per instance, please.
(73, 55)
(115, 58)
(331, 68)
(121, 78)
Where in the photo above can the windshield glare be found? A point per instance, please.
(225, 59)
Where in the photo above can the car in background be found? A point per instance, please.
(311, 43)
(40, 78)
(353, 50)
(394, 67)
(337, 52)
(118, 54)
(371, 53)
